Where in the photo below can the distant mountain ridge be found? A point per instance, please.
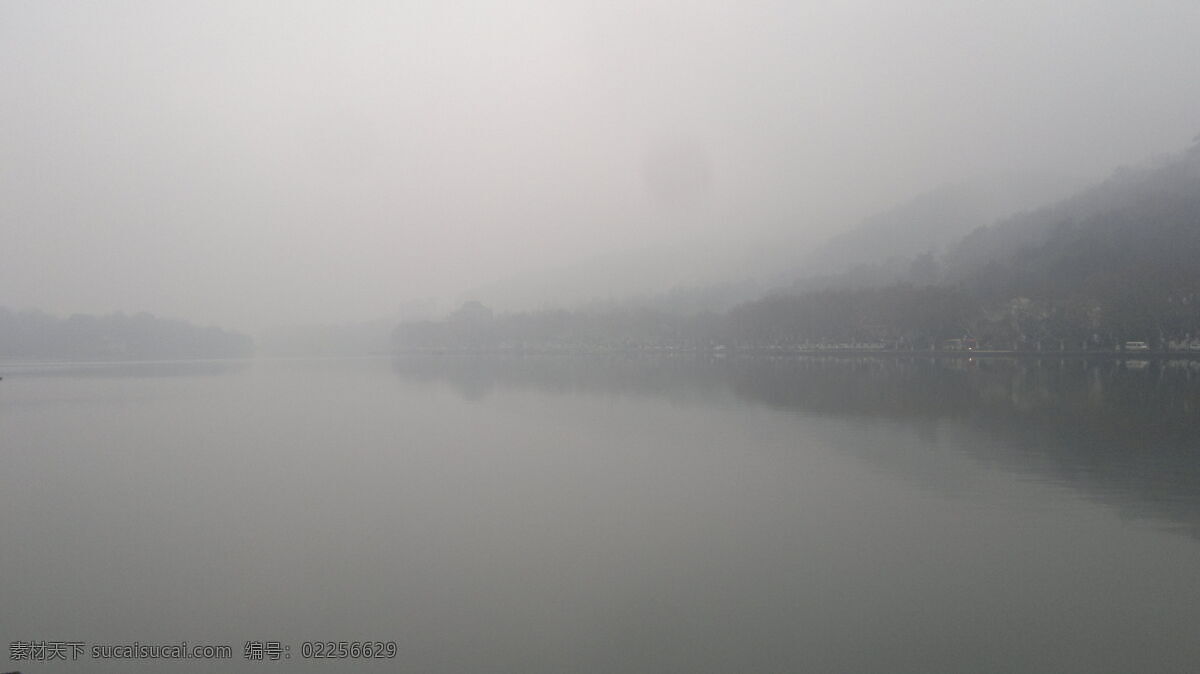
(1117, 262)
(1156, 195)
(882, 248)
(931, 221)
(33, 335)
(699, 276)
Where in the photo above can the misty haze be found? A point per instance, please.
(600, 337)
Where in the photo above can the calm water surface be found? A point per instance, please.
(609, 514)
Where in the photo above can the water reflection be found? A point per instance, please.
(123, 369)
(1122, 433)
(612, 514)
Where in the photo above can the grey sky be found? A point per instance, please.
(251, 163)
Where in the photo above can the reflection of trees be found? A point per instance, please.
(1124, 433)
(134, 369)
(475, 376)
(1125, 436)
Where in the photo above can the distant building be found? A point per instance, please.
(963, 344)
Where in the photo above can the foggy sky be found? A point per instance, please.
(251, 163)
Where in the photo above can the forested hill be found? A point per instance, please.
(30, 335)
(1117, 262)
(881, 248)
(1123, 256)
(1138, 216)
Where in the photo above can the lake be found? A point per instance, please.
(608, 513)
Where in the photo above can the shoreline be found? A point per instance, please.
(854, 353)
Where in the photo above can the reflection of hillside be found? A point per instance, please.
(1124, 435)
(476, 376)
(1102, 401)
(1127, 437)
